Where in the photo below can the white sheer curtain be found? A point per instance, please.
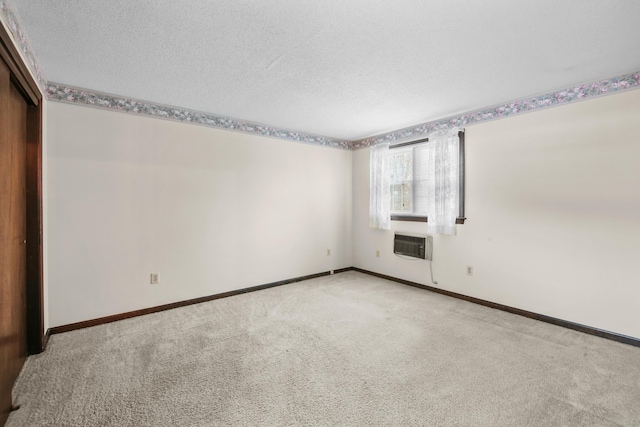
(380, 189)
(435, 183)
(437, 164)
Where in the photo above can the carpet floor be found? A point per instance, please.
(345, 350)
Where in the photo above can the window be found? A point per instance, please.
(419, 181)
(401, 181)
(409, 182)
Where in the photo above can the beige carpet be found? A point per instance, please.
(348, 349)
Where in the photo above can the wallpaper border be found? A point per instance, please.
(74, 95)
(559, 97)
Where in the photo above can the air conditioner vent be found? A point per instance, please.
(413, 246)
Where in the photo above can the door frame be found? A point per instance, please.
(26, 84)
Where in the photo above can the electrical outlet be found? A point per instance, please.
(154, 278)
(378, 253)
(469, 270)
(328, 252)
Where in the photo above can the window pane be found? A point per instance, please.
(396, 201)
(406, 197)
(422, 177)
(401, 197)
(407, 167)
(401, 167)
(401, 180)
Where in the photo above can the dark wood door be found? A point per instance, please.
(13, 307)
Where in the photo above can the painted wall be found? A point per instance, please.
(209, 210)
(553, 207)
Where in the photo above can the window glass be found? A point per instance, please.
(401, 180)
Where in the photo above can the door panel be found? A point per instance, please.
(13, 137)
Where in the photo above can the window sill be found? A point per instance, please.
(412, 218)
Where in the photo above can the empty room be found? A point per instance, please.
(362, 213)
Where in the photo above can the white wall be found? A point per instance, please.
(553, 207)
(553, 203)
(209, 210)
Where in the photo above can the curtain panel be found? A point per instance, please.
(435, 183)
(379, 188)
(441, 166)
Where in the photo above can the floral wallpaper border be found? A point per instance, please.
(62, 93)
(10, 18)
(564, 96)
(73, 95)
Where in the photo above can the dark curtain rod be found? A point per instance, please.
(418, 141)
(404, 144)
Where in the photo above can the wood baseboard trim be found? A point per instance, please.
(541, 317)
(45, 339)
(142, 312)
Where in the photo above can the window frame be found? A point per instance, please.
(402, 183)
(461, 182)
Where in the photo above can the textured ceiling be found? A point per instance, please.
(343, 69)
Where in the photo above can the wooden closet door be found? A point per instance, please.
(13, 143)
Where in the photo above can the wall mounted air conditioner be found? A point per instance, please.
(413, 245)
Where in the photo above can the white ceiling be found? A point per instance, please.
(344, 69)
